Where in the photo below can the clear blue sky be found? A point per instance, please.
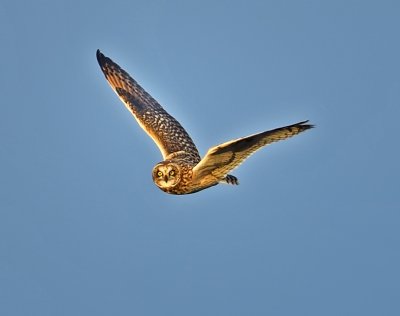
(313, 228)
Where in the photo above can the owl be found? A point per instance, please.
(183, 171)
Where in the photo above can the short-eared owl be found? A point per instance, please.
(183, 171)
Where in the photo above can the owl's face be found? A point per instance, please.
(166, 175)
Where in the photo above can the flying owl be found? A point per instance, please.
(183, 171)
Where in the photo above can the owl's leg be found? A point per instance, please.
(230, 179)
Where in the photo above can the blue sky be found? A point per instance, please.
(313, 228)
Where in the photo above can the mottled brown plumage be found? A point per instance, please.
(183, 171)
(164, 129)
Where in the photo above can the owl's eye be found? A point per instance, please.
(159, 174)
(172, 173)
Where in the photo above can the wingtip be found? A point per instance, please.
(306, 125)
(100, 57)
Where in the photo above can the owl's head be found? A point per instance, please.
(166, 175)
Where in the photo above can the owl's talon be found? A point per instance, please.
(231, 179)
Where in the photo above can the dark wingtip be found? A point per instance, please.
(305, 125)
(100, 57)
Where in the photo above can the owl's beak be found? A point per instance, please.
(166, 179)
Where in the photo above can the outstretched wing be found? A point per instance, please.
(165, 130)
(221, 159)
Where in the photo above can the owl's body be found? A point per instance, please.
(183, 171)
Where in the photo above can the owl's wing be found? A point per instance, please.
(223, 158)
(165, 130)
